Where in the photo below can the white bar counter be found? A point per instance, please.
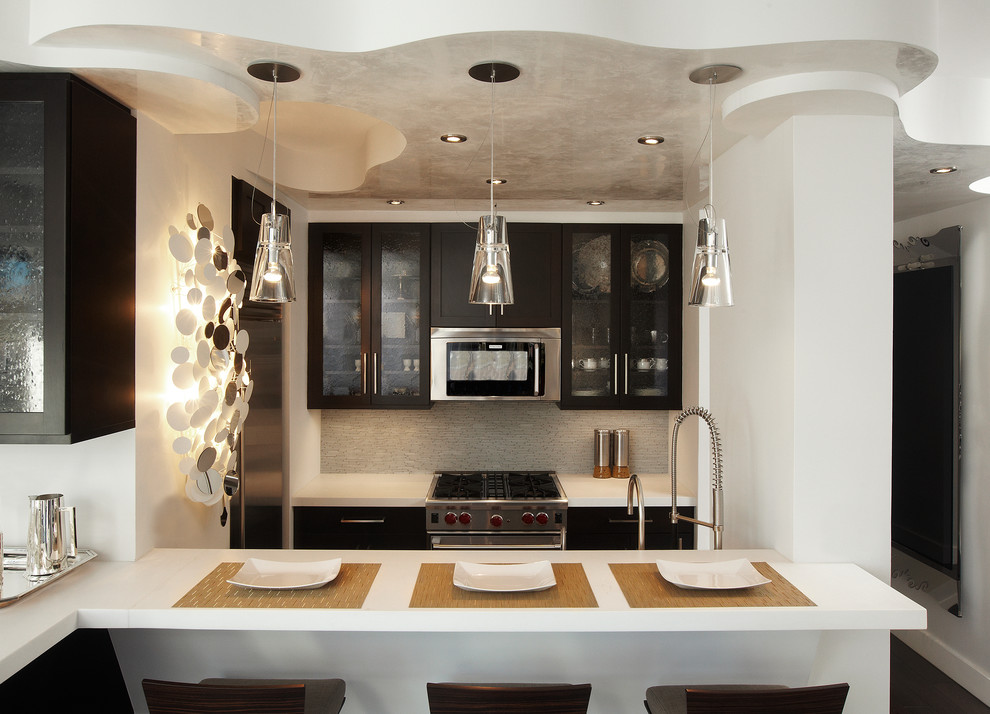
(387, 651)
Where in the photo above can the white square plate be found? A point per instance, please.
(279, 575)
(504, 578)
(721, 575)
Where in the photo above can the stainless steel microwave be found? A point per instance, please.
(495, 363)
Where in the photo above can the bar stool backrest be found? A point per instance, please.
(827, 699)
(185, 698)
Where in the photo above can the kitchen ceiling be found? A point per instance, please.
(362, 127)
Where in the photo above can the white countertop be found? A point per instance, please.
(141, 594)
(411, 490)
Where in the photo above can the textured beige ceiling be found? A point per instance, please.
(565, 131)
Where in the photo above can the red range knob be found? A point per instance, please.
(542, 518)
(528, 519)
(465, 518)
(496, 520)
(450, 519)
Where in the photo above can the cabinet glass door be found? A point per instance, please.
(400, 293)
(651, 318)
(593, 303)
(22, 210)
(344, 362)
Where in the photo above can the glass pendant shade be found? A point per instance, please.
(273, 279)
(491, 277)
(711, 281)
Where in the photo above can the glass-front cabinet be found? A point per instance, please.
(67, 216)
(368, 341)
(621, 317)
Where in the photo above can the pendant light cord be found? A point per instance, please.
(711, 149)
(274, 127)
(491, 135)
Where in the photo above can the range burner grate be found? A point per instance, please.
(496, 485)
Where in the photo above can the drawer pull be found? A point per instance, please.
(628, 520)
(362, 520)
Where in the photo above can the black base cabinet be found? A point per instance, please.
(606, 528)
(359, 528)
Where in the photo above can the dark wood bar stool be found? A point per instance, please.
(746, 699)
(449, 698)
(245, 696)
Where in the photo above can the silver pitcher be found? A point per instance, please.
(45, 537)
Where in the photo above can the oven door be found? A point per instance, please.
(500, 541)
(494, 364)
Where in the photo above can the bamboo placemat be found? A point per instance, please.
(643, 586)
(347, 590)
(435, 588)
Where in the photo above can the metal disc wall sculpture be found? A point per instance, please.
(209, 369)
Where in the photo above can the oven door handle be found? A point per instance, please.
(437, 545)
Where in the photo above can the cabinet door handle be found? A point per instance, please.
(374, 373)
(362, 520)
(615, 376)
(364, 373)
(628, 520)
(536, 369)
(626, 391)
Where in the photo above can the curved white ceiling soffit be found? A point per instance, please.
(367, 25)
(324, 148)
(759, 107)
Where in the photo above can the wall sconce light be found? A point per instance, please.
(209, 365)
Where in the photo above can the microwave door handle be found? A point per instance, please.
(536, 369)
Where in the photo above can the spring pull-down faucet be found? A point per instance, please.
(716, 524)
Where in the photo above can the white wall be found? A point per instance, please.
(175, 174)
(95, 476)
(801, 365)
(958, 646)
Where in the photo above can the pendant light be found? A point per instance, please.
(491, 276)
(711, 278)
(273, 279)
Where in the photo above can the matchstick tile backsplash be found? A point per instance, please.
(480, 435)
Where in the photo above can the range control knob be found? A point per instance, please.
(450, 519)
(465, 518)
(528, 518)
(542, 518)
(496, 520)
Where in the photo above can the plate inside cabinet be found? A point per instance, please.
(650, 265)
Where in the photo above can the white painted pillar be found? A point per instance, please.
(800, 367)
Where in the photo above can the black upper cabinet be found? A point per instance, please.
(534, 250)
(368, 334)
(67, 253)
(621, 336)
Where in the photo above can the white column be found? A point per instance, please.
(800, 367)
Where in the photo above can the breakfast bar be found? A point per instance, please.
(390, 641)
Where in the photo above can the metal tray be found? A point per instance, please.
(16, 583)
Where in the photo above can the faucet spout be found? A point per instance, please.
(716, 467)
(635, 484)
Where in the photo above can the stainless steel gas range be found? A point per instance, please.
(496, 509)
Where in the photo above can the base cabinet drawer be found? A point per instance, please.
(384, 528)
(610, 528)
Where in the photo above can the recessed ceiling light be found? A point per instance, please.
(453, 138)
(943, 170)
(395, 202)
(497, 181)
(595, 203)
(650, 140)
